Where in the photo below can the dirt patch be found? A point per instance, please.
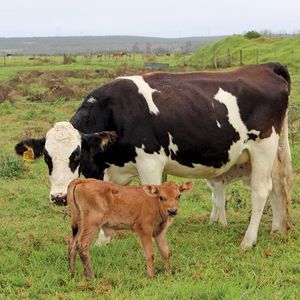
(61, 92)
(5, 92)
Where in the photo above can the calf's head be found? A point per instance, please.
(168, 195)
(65, 149)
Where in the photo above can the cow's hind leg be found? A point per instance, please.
(262, 158)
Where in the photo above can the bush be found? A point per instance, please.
(252, 34)
(10, 166)
(68, 59)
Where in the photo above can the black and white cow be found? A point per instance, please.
(199, 125)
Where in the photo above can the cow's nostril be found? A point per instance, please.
(59, 200)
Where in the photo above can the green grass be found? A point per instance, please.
(284, 50)
(206, 260)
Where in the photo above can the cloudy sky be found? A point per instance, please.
(163, 18)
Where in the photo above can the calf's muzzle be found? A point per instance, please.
(172, 212)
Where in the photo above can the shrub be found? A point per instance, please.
(68, 59)
(10, 166)
(252, 34)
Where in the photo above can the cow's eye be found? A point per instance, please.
(48, 161)
(74, 159)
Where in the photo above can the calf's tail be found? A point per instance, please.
(73, 205)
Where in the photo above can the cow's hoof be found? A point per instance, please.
(102, 240)
(247, 244)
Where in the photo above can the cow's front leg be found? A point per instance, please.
(218, 203)
(150, 167)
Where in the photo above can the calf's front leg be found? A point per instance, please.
(162, 245)
(148, 252)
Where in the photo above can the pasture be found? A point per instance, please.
(206, 261)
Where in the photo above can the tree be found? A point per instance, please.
(252, 34)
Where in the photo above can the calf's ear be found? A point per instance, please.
(99, 141)
(185, 187)
(151, 190)
(30, 148)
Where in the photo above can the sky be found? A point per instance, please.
(160, 18)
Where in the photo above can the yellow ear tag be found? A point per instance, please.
(28, 155)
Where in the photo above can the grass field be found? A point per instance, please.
(206, 260)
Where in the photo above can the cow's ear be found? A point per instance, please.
(99, 141)
(31, 148)
(151, 190)
(186, 187)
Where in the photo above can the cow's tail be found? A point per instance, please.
(283, 72)
(73, 205)
(282, 174)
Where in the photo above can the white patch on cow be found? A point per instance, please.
(218, 124)
(61, 141)
(91, 100)
(145, 90)
(230, 101)
(172, 147)
(237, 148)
(120, 175)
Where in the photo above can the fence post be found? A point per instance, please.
(241, 57)
(229, 58)
(215, 61)
(4, 60)
(257, 56)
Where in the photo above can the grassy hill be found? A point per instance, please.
(226, 52)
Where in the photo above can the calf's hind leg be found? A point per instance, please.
(72, 251)
(85, 237)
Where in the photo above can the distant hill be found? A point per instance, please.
(95, 44)
(227, 52)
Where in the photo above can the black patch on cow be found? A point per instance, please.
(74, 159)
(48, 161)
(251, 136)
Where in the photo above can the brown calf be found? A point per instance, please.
(147, 210)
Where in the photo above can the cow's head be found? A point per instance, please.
(65, 149)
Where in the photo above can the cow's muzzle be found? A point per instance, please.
(59, 200)
(172, 212)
